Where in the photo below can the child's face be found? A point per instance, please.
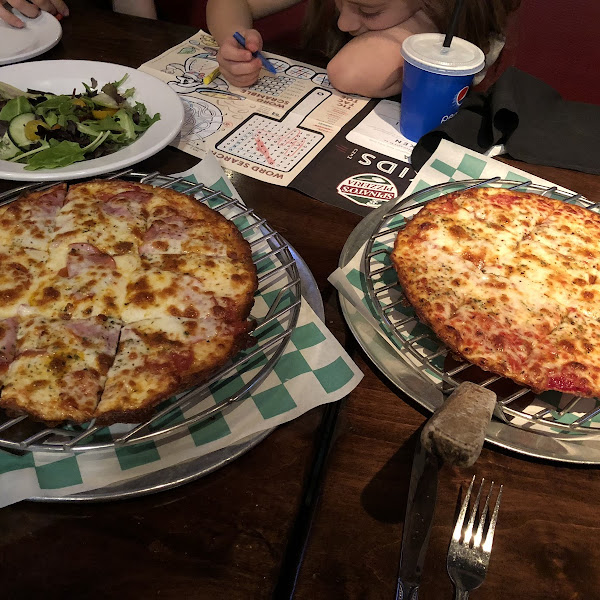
(359, 16)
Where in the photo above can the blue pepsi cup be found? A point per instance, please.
(435, 82)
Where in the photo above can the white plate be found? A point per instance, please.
(38, 35)
(62, 76)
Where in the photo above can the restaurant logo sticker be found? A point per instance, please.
(367, 189)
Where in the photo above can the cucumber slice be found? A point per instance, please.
(16, 130)
(7, 148)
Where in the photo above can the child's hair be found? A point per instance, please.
(320, 31)
(479, 22)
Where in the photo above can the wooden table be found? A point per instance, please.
(238, 532)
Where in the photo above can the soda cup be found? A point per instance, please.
(435, 81)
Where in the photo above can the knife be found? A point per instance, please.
(454, 435)
(420, 507)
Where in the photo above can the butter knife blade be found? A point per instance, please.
(420, 508)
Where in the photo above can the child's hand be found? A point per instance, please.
(237, 64)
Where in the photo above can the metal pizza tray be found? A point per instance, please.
(406, 378)
(188, 471)
(278, 272)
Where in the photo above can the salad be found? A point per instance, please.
(45, 131)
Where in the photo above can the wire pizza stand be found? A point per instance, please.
(279, 281)
(561, 416)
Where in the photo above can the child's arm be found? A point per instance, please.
(371, 63)
(224, 17)
(139, 8)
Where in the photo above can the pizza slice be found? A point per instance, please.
(60, 367)
(178, 235)
(153, 293)
(88, 283)
(158, 358)
(28, 222)
(221, 276)
(19, 270)
(568, 359)
(111, 215)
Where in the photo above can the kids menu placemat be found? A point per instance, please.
(269, 131)
(275, 130)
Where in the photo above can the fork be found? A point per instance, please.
(468, 554)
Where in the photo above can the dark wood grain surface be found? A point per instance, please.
(225, 535)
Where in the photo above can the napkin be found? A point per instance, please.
(450, 162)
(529, 119)
(313, 370)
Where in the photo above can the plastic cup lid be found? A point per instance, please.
(426, 50)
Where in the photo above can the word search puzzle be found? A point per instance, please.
(280, 145)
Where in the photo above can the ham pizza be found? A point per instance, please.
(114, 296)
(510, 281)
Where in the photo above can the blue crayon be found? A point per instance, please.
(239, 38)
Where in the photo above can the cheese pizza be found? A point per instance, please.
(510, 281)
(115, 296)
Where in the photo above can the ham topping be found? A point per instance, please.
(84, 256)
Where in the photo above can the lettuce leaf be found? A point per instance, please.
(15, 107)
(63, 154)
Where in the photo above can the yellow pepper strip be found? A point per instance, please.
(78, 102)
(31, 129)
(106, 112)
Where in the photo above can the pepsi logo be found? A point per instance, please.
(461, 95)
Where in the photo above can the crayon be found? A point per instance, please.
(213, 75)
(239, 38)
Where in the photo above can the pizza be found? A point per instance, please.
(114, 296)
(510, 281)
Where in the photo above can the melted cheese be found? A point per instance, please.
(152, 293)
(19, 270)
(568, 359)
(82, 221)
(223, 277)
(29, 222)
(573, 232)
(34, 385)
(95, 290)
